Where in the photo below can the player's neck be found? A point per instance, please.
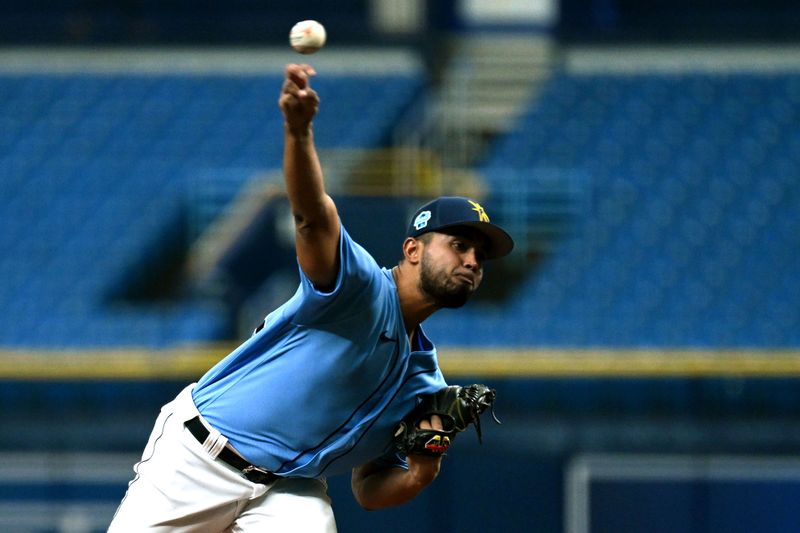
(413, 304)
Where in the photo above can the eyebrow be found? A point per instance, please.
(476, 238)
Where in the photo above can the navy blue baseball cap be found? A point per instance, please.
(450, 212)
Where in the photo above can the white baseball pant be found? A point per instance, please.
(180, 487)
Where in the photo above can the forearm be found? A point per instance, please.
(305, 184)
(377, 487)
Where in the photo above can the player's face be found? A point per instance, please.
(451, 268)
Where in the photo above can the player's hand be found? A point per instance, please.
(425, 468)
(298, 101)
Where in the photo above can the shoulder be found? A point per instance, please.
(357, 268)
(361, 284)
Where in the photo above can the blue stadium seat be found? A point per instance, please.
(689, 233)
(97, 168)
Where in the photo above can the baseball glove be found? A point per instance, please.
(457, 406)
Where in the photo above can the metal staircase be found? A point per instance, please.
(489, 80)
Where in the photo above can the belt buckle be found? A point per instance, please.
(259, 475)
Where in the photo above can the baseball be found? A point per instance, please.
(307, 36)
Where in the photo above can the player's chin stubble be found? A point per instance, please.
(441, 288)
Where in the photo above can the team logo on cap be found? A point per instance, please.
(482, 216)
(422, 220)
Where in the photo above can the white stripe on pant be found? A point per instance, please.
(180, 488)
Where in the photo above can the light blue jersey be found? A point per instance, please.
(321, 388)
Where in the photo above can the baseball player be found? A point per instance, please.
(321, 385)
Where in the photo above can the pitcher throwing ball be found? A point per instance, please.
(326, 382)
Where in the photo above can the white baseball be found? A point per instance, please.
(307, 36)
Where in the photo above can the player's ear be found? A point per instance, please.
(412, 250)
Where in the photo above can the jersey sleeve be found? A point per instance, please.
(358, 285)
(393, 458)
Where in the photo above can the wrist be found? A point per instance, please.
(301, 132)
(423, 469)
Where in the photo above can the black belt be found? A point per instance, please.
(229, 457)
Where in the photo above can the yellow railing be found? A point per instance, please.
(188, 363)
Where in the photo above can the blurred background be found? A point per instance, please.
(643, 337)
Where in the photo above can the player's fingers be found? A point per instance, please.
(290, 87)
(308, 69)
(296, 77)
(295, 94)
(434, 422)
(301, 68)
(309, 96)
(288, 100)
(299, 74)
